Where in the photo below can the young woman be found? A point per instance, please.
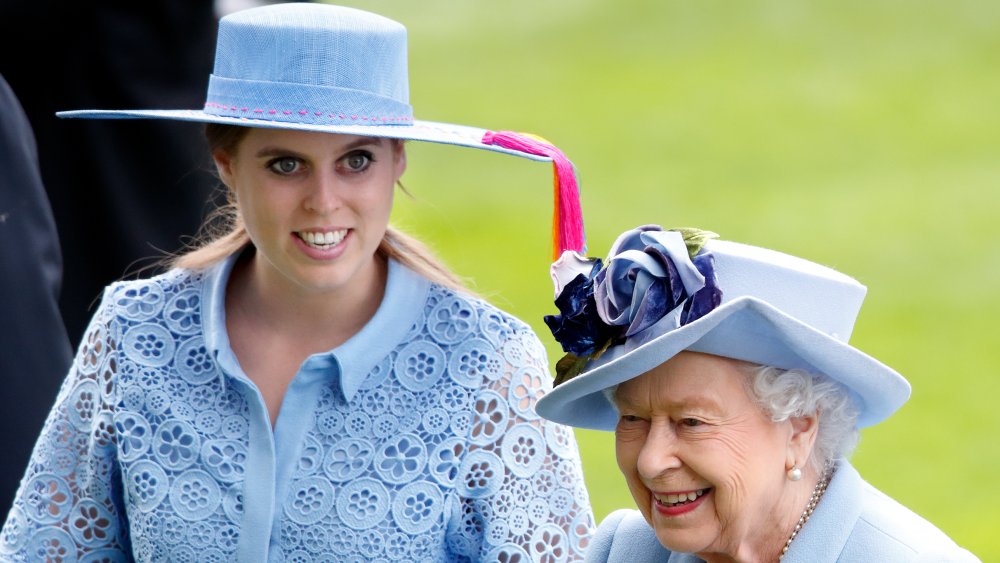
(310, 385)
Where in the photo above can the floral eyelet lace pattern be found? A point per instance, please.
(438, 457)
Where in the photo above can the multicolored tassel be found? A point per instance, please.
(567, 217)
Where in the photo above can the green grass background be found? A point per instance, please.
(860, 134)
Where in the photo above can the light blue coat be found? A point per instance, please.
(853, 522)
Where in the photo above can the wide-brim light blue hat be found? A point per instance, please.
(319, 67)
(670, 291)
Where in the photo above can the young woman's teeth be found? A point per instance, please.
(679, 499)
(323, 241)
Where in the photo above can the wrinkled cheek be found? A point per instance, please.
(730, 504)
(627, 465)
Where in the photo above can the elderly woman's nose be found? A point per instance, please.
(658, 453)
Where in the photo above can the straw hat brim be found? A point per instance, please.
(429, 131)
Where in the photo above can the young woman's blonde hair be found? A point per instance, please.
(224, 233)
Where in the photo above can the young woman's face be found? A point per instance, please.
(316, 205)
(704, 463)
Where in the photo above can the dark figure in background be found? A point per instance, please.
(34, 349)
(122, 193)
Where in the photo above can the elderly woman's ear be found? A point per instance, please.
(800, 443)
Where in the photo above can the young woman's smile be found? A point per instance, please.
(316, 205)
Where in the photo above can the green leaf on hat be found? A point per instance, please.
(570, 365)
(695, 238)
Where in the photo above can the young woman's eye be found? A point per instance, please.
(357, 161)
(284, 165)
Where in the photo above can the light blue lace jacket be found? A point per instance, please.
(416, 440)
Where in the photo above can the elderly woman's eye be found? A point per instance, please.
(284, 165)
(630, 418)
(691, 422)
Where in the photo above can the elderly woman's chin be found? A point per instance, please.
(690, 534)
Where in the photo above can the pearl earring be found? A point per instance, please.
(794, 474)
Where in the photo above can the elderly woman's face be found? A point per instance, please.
(705, 465)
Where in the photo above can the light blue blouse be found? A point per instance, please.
(415, 440)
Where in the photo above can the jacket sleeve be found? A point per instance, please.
(957, 555)
(520, 489)
(69, 504)
(624, 536)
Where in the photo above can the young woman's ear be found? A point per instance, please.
(399, 159)
(224, 166)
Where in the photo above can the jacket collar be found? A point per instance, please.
(823, 538)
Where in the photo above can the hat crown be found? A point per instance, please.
(315, 45)
(316, 63)
(819, 297)
(816, 295)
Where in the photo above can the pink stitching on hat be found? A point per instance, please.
(383, 119)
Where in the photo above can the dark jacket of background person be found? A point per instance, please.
(121, 193)
(34, 350)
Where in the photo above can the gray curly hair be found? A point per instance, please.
(786, 393)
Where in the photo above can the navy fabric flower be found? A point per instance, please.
(708, 297)
(578, 327)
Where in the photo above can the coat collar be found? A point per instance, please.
(823, 538)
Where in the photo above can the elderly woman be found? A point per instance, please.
(725, 372)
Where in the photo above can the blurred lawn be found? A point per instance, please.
(863, 135)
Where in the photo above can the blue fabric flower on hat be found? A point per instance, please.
(650, 273)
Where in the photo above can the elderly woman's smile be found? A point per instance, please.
(678, 502)
(704, 462)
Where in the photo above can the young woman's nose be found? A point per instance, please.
(323, 195)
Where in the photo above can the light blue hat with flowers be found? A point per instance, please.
(318, 67)
(663, 292)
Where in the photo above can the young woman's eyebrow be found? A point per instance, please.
(271, 151)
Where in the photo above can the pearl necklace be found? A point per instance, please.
(817, 494)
